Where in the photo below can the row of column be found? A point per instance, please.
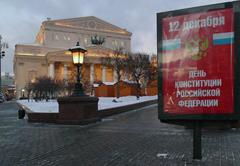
(104, 74)
(51, 72)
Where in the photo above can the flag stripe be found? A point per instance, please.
(223, 38)
(223, 41)
(223, 35)
(171, 44)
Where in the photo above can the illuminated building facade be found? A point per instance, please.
(49, 55)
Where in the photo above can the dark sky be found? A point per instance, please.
(21, 19)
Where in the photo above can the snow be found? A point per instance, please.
(104, 103)
(95, 85)
(109, 83)
(129, 81)
(42, 106)
(164, 155)
(107, 102)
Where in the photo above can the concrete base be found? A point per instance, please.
(78, 110)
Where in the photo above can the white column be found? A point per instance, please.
(65, 72)
(103, 73)
(91, 73)
(51, 69)
(115, 76)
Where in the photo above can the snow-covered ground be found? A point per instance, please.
(104, 103)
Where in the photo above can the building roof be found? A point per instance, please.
(90, 22)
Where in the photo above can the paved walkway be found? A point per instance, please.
(134, 138)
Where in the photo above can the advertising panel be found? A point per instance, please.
(197, 63)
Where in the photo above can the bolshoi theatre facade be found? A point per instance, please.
(49, 55)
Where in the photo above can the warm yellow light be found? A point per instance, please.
(68, 53)
(77, 54)
(78, 57)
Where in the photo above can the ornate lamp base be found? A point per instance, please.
(78, 110)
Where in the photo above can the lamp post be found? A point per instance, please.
(2, 54)
(78, 53)
(23, 90)
(78, 108)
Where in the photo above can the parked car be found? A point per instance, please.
(2, 98)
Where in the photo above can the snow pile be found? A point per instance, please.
(41, 106)
(112, 102)
(109, 83)
(104, 103)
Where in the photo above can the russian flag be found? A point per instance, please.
(172, 44)
(223, 38)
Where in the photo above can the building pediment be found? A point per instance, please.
(90, 23)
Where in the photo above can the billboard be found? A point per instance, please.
(197, 54)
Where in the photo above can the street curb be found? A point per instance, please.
(112, 111)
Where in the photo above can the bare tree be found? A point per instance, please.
(138, 67)
(118, 61)
(29, 88)
(152, 72)
(46, 87)
(69, 87)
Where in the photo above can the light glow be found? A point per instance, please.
(78, 57)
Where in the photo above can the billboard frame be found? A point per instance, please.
(173, 118)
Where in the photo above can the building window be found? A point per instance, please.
(86, 40)
(66, 38)
(115, 43)
(56, 37)
(122, 44)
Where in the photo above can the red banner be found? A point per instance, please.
(198, 63)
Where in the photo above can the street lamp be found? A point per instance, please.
(23, 90)
(2, 54)
(78, 108)
(78, 53)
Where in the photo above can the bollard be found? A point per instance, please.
(21, 113)
(197, 141)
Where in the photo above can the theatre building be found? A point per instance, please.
(49, 55)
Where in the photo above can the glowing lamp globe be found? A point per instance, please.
(78, 53)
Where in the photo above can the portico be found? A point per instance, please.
(60, 66)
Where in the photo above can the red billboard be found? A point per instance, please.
(197, 63)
